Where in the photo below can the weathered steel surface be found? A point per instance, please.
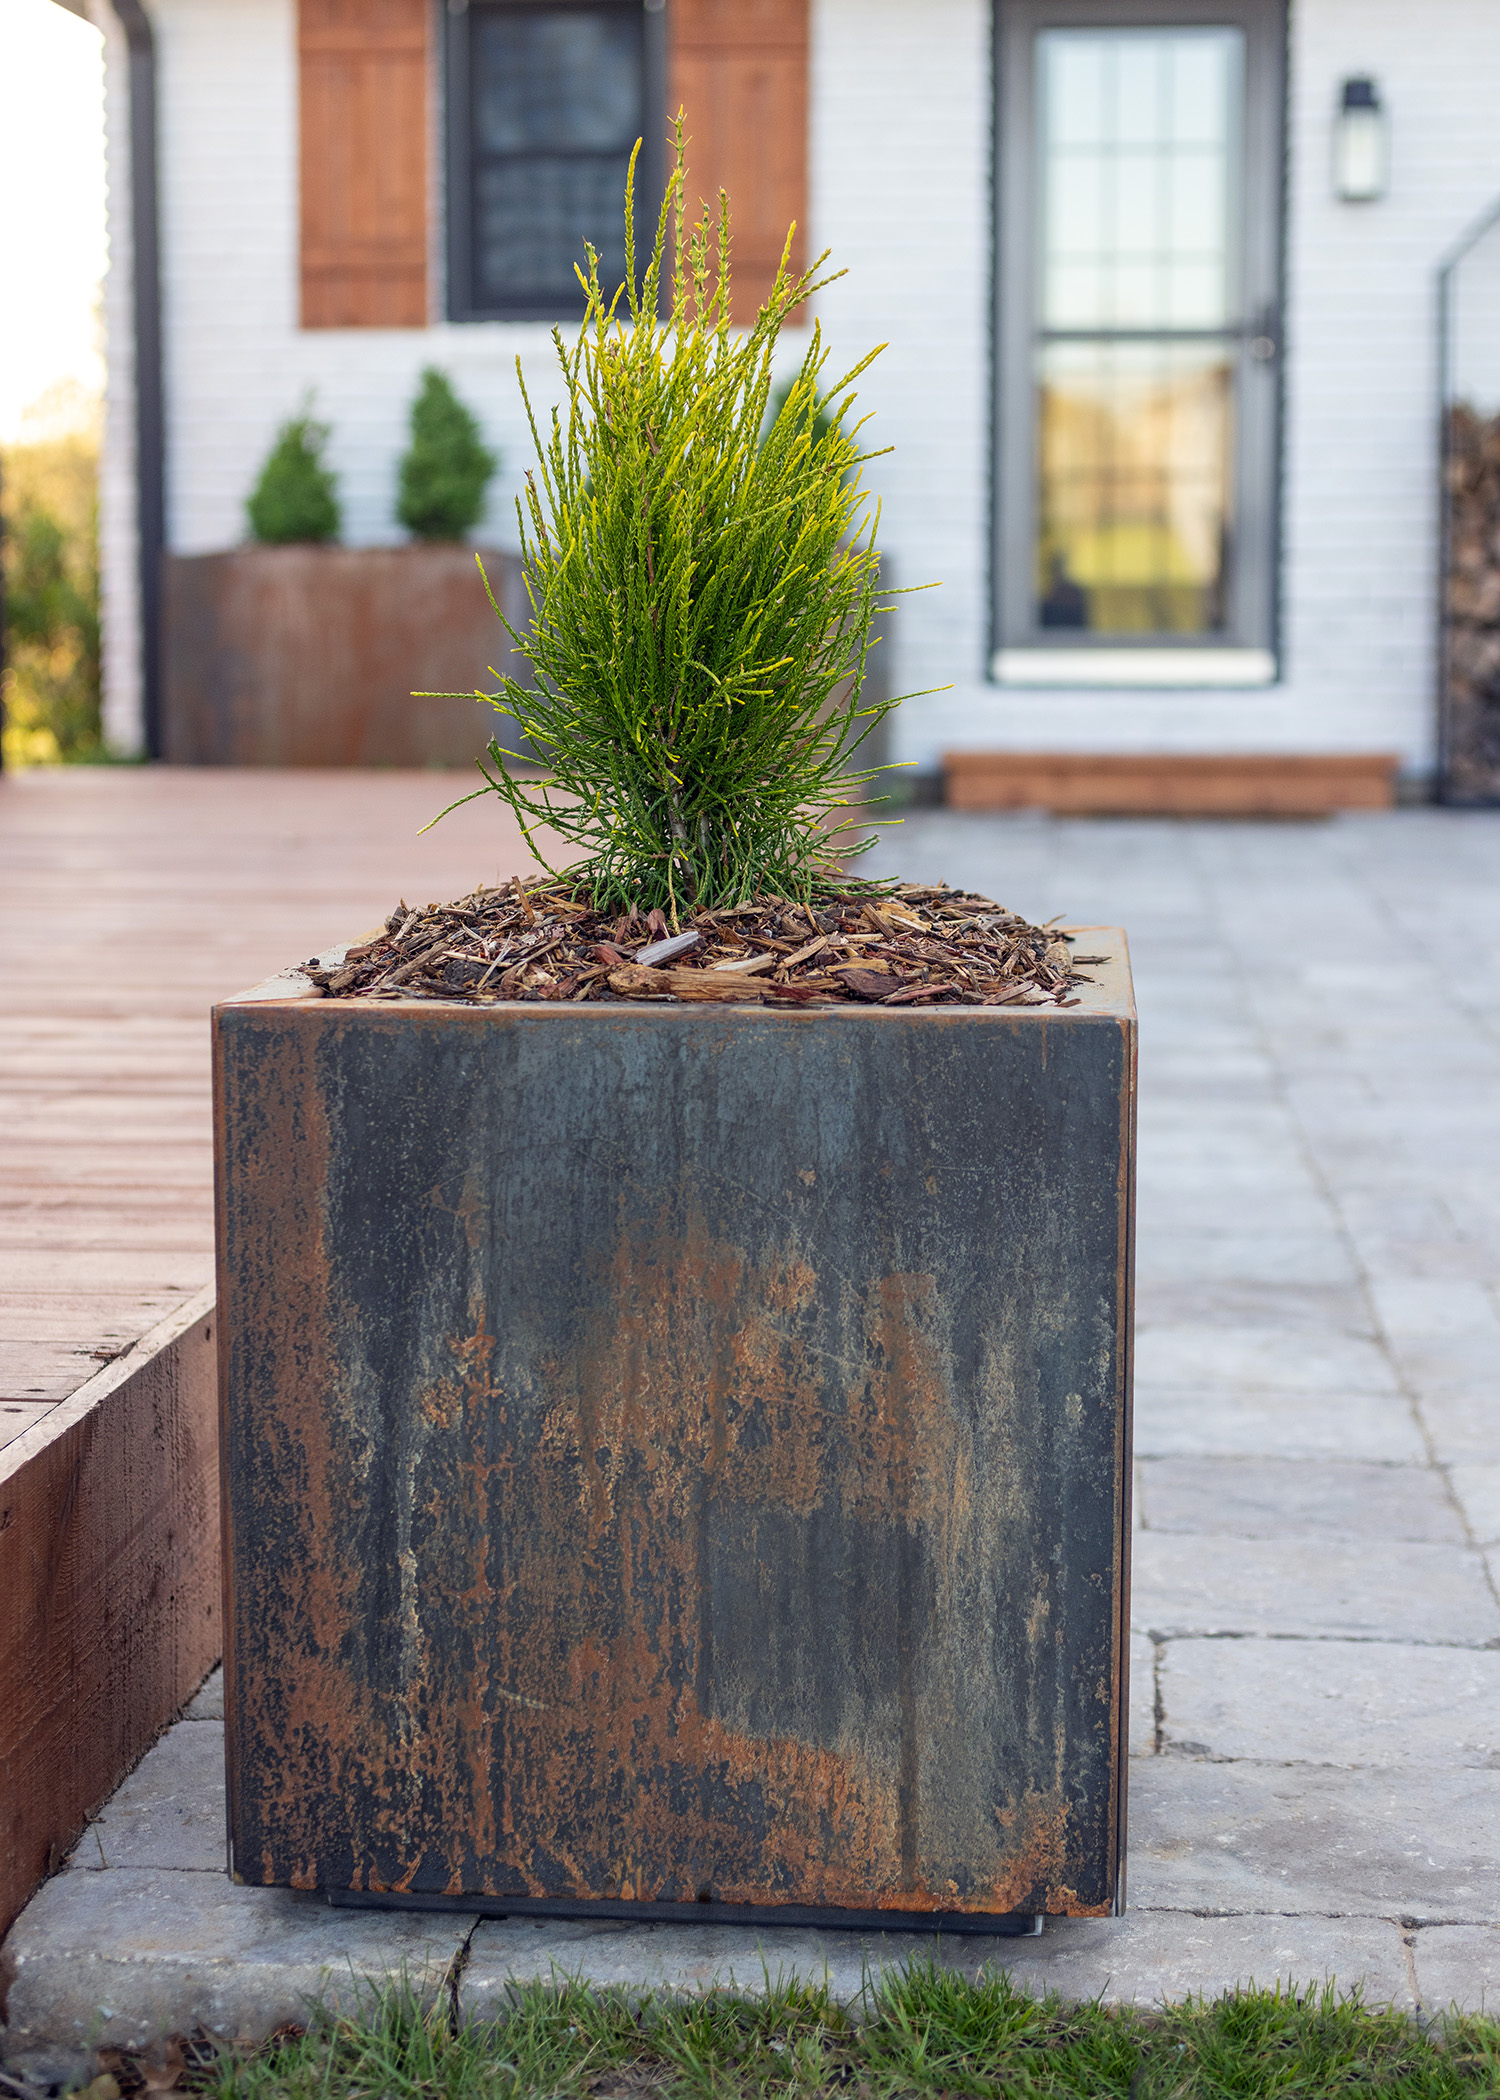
(678, 1455)
(309, 656)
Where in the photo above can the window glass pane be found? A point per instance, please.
(550, 80)
(1137, 137)
(532, 217)
(1133, 528)
(557, 100)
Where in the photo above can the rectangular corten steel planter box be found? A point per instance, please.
(309, 656)
(678, 1455)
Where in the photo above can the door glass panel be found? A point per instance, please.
(1137, 350)
(1135, 497)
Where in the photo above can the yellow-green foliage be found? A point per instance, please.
(702, 590)
(49, 491)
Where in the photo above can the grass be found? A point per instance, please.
(919, 2031)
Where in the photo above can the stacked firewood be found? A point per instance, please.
(910, 945)
(1472, 606)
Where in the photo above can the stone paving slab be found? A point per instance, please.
(170, 1812)
(1292, 1310)
(1142, 1696)
(1458, 1966)
(207, 1703)
(1316, 1588)
(1252, 1360)
(1276, 1498)
(1296, 1838)
(1477, 1491)
(1187, 1204)
(127, 1956)
(1350, 1703)
(1461, 1425)
(1254, 1260)
(1179, 1423)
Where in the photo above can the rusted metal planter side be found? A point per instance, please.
(678, 1455)
(310, 656)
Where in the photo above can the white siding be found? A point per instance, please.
(901, 193)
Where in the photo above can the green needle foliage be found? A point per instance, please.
(702, 585)
(296, 497)
(446, 469)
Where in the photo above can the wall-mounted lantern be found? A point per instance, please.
(1361, 144)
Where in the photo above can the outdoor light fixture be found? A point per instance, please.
(1360, 144)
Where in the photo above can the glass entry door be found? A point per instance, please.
(1138, 329)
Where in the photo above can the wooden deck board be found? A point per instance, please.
(17, 1416)
(144, 895)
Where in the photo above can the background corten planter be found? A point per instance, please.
(678, 1456)
(308, 656)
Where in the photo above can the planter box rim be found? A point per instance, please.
(1109, 997)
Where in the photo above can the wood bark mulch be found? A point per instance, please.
(911, 945)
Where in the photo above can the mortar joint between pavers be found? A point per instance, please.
(453, 1981)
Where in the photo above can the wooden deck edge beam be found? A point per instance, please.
(109, 1567)
(1132, 784)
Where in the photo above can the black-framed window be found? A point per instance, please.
(1138, 287)
(545, 99)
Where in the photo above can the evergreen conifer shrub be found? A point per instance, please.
(703, 579)
(446, 469)
(296, 497)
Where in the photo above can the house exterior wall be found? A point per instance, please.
(901, 155)
(902, 161)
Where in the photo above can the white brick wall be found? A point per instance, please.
(901, 192)
(1361, 483)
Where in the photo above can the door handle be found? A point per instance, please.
(1263, 336)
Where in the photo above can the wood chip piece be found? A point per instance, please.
(664, 951)
(633, 982)
(874, 985)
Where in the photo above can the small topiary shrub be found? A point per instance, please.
(447, 467)
(296, 497)
(703, 579)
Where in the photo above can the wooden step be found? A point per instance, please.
(1073, 783)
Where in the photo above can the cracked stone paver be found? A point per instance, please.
(1315, 1700)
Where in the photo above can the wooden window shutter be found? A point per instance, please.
(739, 71)
(363, 66)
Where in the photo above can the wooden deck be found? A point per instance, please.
(132, 899)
